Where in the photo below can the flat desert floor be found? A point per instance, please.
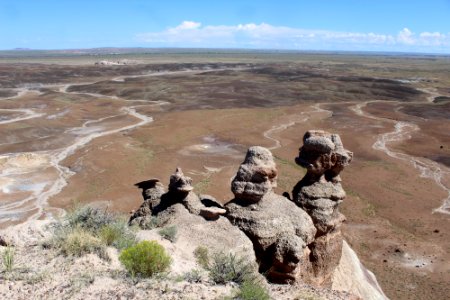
(75, 132)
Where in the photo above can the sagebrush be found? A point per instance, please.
(87, 229)
(229, 267)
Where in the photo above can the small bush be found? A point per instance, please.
(117, 234)
(252, 289)
(229, 268)
(169, 233)
(89, 230)
(149, 223)
(110, 233)
(193, 276)
(90, 218)
(8, 258)
(79, 242)
(145, 259)
(126, 240)
(202, 256)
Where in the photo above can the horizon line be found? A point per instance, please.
(201, 49)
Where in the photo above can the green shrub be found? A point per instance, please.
(169, 233)
(145, 259)
(229, 268)
(117, 234)
(252, 289)
(79, 241)
(8, 258)
(202, 256)
(110, 233)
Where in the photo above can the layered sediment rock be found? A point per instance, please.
(319, 193)
(279, 230)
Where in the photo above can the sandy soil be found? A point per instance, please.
(91, 142)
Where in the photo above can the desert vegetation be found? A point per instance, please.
(145, 259)
(86, 229)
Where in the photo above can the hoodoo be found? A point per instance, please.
(279, 230)
(296, 240)
(319, 193)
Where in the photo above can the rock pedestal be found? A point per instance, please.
(319, 193)
(279, 230)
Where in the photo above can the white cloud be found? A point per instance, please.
(406, 36)
(188, 25)
(194, 34)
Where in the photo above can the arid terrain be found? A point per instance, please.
(75, 132)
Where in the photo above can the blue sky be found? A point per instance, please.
(381, 25)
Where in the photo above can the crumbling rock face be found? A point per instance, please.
(280, 230)
(319, 193)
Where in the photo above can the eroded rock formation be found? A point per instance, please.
(293, 240)
(280, 230)
(157, 202)
(152, 191)
(319, 193)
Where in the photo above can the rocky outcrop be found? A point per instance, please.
(279, 230)
(319, 193)
(294, 241)
(159, 203)
(152, 191)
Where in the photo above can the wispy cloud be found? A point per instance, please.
(194, 34)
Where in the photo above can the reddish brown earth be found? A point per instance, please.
(212, 117)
